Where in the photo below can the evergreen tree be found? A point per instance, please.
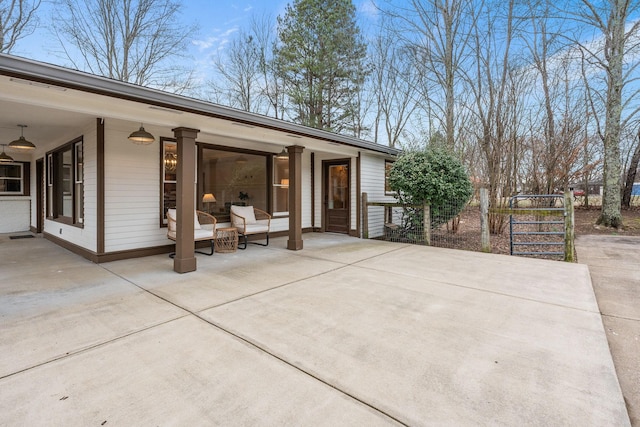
(320, 56)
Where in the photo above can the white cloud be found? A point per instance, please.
(369, 9)
(216, 41)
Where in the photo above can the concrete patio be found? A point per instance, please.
(344, 332)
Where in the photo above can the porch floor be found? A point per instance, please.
(343, 332)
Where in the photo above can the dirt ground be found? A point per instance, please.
(585, 222)
(468, 235)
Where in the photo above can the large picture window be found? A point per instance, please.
(14, 179)
(65, 183)
(228, 177)
(234, 178)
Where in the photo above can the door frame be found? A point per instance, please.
(325, 187)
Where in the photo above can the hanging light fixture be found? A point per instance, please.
(21, 143)
(4, 157)
(284, 154)
(170, 161)
(141, 136)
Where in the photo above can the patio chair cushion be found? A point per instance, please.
(256, 228)
(172, 224)
(244, 211)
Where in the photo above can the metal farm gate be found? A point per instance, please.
(537, 225)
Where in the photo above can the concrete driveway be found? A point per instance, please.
(344, 332)
(614, 263)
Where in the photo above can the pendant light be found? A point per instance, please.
(4, 157)
(21, 143)
(141, 136)
(284, 154)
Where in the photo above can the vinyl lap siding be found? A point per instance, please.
(85, 236)
(372, 176)
(132, 191)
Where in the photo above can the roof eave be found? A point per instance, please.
(59, 76)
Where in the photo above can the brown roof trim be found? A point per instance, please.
(44, 73)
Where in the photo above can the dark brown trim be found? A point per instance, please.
(40, 186)
(100, 184)
(200, 177)
(59, 170)
(26, 178)
(313, 190)
(132, 253)
(110, 256)
(358, 193)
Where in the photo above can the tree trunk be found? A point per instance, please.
(610, 215)
(631, 175)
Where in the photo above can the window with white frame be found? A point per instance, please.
(12, 179)
(280, 186)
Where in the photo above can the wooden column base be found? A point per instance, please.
(184, 265)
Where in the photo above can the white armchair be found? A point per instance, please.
(204, 226)
(249, 220)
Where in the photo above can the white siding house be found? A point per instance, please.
(90, 189)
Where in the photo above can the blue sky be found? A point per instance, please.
(218, 21)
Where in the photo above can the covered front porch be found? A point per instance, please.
(344, 332)
(91, 189)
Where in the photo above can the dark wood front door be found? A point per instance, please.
(336, 197)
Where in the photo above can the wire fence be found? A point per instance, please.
(450, 227)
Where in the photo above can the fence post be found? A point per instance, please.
(365, 217)
(569, 232)
(426, 224)
(484, 220)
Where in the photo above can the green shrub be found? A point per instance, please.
(435, 177)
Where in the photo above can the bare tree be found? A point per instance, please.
(439, 32)
(272, 85)
(494, 83)
(239, 68)
(393, 84)
(136, 41)
(609, 19)
(17, 20)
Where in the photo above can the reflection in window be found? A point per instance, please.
(280, 186)
(170, 168)
(234, 179)
(388, 164)
(338, 186)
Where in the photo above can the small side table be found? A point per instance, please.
(226, 240)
